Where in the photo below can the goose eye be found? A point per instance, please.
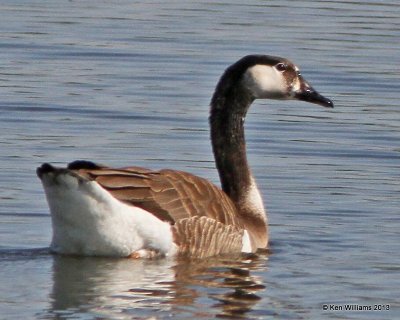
(281, 67)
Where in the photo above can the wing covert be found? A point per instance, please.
(169, 194)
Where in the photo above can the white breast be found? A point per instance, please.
(254, 200)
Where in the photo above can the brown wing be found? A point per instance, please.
(204, 237)
(170, 195)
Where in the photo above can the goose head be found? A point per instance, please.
(269, 77)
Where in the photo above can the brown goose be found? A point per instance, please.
(136, 212)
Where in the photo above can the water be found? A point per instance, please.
(126, 83)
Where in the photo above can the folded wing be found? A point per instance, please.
(168, 194)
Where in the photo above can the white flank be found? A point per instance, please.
(265, 82)
(246, 243)
(87, 220)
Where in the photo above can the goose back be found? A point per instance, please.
(205, 220)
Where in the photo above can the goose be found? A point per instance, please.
(135, 212)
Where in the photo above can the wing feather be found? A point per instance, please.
(203, 237)
(170, 195)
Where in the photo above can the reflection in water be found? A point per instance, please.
(101, 287)
(228, 282)
(124, 288)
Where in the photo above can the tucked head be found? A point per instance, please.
(269, 77)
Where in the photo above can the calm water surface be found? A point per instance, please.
(126, 83)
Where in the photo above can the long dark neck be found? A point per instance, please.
(229, 107)
(228, 112)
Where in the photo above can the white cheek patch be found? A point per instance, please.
(265, 82)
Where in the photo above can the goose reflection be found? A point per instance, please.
(127, 288)
(229, 283)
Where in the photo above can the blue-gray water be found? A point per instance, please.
(128, 83)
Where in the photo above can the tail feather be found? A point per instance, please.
(83, 164)
(44, 169)
(88, 220)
